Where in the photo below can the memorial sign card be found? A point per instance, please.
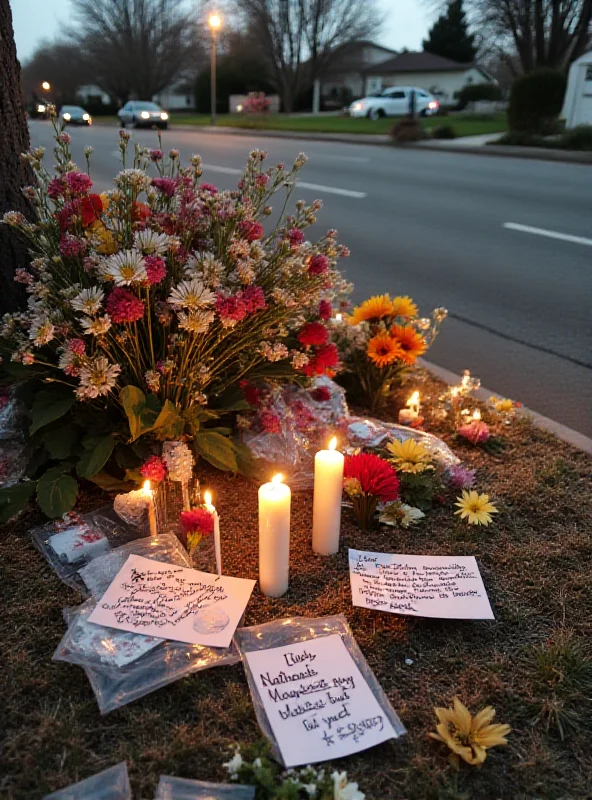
(158, 599)
(317, 701)
(444, 587)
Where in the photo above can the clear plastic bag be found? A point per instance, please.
(369, 432)
(110, 784)
(301, 629)
(165, 664)
(182, 789)
(71, 544)
(97, 575)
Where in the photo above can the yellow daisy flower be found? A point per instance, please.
(409, 456)
(475, 508)
(375, 307)
(403, 306)
(469, 737)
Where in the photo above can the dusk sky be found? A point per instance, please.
(34, 20)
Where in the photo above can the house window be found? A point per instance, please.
(187, 100)
(589, 73)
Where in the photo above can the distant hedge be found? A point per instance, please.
(535, 102)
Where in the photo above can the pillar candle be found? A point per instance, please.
(149, 495)
(328, 489)
(217, 544)
(274, 537)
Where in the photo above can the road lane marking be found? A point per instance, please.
(565, 237)
(317, 187)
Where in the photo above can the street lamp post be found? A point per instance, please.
(215, 23)
(45, 86)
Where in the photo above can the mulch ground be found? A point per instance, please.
(533, 663)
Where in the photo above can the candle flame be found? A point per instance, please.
(454, 391)
(146, 488)
(333, 443)
(414, 399)
(338, 317)
(208, 498)
(476, 414)
(277, 479)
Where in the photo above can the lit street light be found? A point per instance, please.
(215, 23)
(45, 86)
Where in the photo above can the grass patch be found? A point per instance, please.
(532, 663)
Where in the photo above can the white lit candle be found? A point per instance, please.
(328, 488)
(476, 414)
(411, 413)
(274, 537)
(149, 495)
(217, 546)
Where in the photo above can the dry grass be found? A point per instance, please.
(533, 663)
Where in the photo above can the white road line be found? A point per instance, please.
(317, 187)
(565, 237)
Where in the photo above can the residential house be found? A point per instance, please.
(344, 78)
(441, 76)
(577, 104)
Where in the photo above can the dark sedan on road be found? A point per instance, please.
(142, 114)
(75, 115)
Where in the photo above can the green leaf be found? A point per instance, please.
(141, 411)
(59, 442)
(94, 458)
(56, 492)
(218, 450)
(49, 406)
(13, 499)
(169, 423)
(109, 483)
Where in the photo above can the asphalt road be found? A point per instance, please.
(434, 225)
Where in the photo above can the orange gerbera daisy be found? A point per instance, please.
(403, 306)
(375, 307)
(384, 350)
(410, 341)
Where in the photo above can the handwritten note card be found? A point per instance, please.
(445, 587)
(318, 704)
(172, 602)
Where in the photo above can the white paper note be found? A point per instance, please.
(445, 587)
(318, 704)
(172, 602)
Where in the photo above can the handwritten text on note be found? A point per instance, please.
(446, 587)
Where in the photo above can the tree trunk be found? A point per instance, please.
(14, 174)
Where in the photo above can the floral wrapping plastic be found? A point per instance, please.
(12, 458)
(71, 543)
(182, 789)
(301, 629)
(110, 784)
(97, 576)
(292, 424)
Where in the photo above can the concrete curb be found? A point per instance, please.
(509, 151)
(575, 439)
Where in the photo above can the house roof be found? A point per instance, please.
(417, 62)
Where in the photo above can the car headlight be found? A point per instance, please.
(145, 115)
(164, 115)
(86, 117)
(67, 116)
(358, 107)
(433, 104)
(41, 109)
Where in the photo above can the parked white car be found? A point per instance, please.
(394, 102)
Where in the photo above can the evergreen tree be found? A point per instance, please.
(449, 37)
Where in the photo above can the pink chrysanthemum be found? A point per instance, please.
(155, 269)
(209, 188)
(325, 309)
(123, 306)
(254, 299)
(250, 230)
(78, 182)
(375, 476)
(476, 431)
(156, 155)
(72, 246)
(318, 265)
(198, 519)
(153, 469)
(56, 188)
(165, 185)
(231, 308)
(313, 333)
(296, 237)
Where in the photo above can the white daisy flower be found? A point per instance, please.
(97, 378)
(41, 331)
(191, 294)
(234, 764)
(398, 513)
(133, 178)
(343, 790)
(89, 301)
(196, 321)
(151, 243)
(125, 268)
(96, 326)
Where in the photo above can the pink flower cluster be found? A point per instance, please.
(165, 185)
(250, 229)
(154, 469)
(318, 265)
(313, 333)
(325, 310)
(296, 237)
(78, 182)
(71, 246)
(155, 269)
(123, 306)
(236, 307)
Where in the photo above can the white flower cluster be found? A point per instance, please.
(179, 461)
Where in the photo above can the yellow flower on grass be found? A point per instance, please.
(403, 306)
(383, 350)
(475, 508)
(375, 307)
(409, 456)
(469, 737)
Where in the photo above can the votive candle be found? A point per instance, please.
(149, 495)
(217, 544)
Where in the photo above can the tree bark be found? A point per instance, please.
(14, 174)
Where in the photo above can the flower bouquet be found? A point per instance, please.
(380, 341)
(367, 481)
(147, 305)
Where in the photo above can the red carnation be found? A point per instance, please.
(325, 309)
(198, 519)
(123, 306)
(313, 333)
(325, 361)
(153, 469)
(250, 230)
(375, 476)
(78, 182)
(318, 265)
